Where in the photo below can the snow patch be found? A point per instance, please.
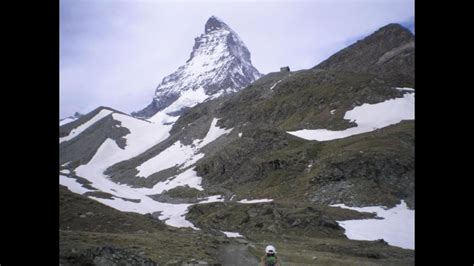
(276, 83)
(232, 234)
(78, 130)
(72, 185)
(210, 199)
(186, 178)
(254, 201)
(188, 98)
(143, 135)
(65, 172)
(333, 111)
(172, 214)
(179, 154)
(213, 133)
(397, 226)
(368, 117)
(174, 155)
(66, 120)
(240, 134)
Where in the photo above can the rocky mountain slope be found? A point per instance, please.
(270, 159)
(388, 53)
(94, 234)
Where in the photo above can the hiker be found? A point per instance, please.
(270, 258)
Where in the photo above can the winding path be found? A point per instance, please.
(236, 255)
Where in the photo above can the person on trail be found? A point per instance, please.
(270, 258)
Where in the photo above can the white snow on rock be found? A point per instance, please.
(94, 172)
(210, 199)
(276, 83)
(187, 178)
(162, 118)
(179, 154)
(173, 214)
(232, 234)
(107, 154)
(78, 130)
(397, 226)
(66, 120)
(72, 185)
(143, 135)
(174, 155)
(240, 134)
(254, 201)
(65, 172)
(187, 98)
(213, 133)
(368, 117)
(333, 111)
(219, 58)
(218, 55)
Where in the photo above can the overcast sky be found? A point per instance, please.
(115, 52)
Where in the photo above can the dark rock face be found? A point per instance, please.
(271, 217)
(219, 63)
(235, 163)
(380, 179)
(388, 53)
(213, 24)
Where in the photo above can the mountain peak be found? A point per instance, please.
(219, 64)
(214, 23)
(392, 28)
(392, 33)
(387, 52)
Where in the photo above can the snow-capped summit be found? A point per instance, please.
(213, 23)
(219, 64)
